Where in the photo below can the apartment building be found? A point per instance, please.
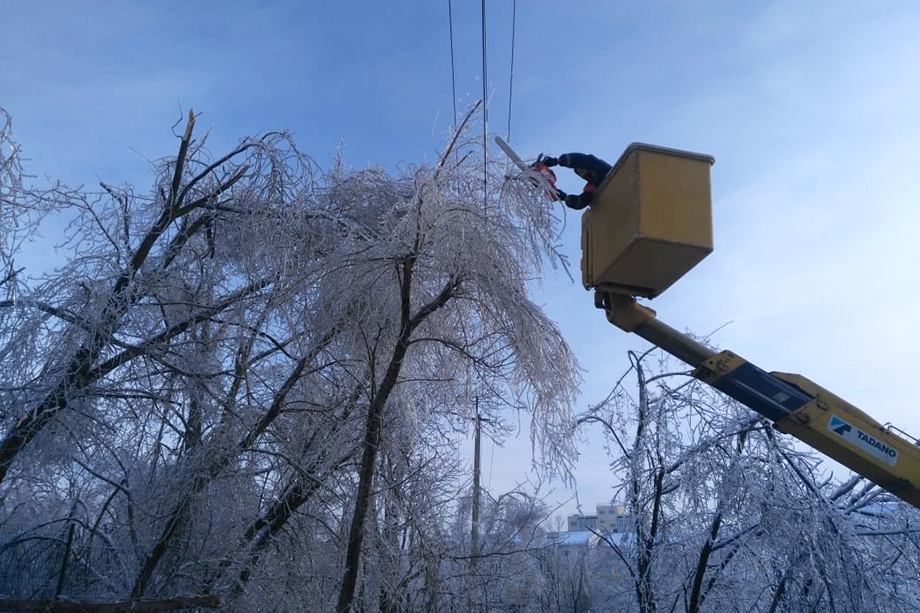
(609, 518)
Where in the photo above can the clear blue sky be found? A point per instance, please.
(812, 111)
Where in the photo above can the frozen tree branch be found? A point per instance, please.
(225, 367)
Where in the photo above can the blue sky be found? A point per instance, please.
(810, 109)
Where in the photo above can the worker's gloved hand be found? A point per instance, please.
(574, 202)
(561, 195)
(549, 160)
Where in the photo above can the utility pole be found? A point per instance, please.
(474, 544)
(474, 548)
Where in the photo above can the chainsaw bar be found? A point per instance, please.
(510, 153)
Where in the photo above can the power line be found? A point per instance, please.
(453, 78)
(511, 78)
(485, 111)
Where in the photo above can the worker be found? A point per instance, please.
(590, 168)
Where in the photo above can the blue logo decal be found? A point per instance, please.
(839, 426)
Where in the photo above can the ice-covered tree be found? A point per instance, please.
(727, 514)
(238, 385)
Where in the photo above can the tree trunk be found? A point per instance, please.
(372, 432)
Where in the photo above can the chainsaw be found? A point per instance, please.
(540, 168)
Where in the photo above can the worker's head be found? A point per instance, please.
(587, 175)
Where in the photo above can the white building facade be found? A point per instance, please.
(610, 518)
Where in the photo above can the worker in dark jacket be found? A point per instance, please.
(590, 168)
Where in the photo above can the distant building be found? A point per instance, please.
(572, 543)
(610, 518)
(582, 523)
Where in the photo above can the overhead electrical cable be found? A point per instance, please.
(511, 78)
(485, 111)
(453, 78)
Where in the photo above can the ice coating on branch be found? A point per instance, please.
(192, 390)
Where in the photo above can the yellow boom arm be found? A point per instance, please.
(796, 405)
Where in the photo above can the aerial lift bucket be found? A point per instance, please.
(649, 223)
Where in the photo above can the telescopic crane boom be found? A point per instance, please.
(650, 222)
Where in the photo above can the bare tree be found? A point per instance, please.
(727, 514)
(255, 363)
